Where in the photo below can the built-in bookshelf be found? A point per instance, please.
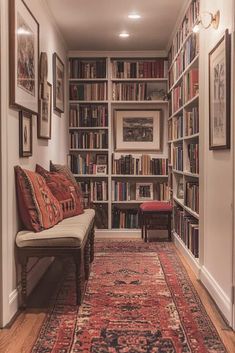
(183, 134)
(114, 182)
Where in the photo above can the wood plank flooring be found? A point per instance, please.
(22, 332)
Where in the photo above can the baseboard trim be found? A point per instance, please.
(33, 278)
(221, 299)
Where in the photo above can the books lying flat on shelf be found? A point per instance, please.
(88, 115)
(139, 165)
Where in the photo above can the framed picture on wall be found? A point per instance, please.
(58, 84)
(23, 57)
(44, 117)
(138, 130)
(219, 94)
(25, 134)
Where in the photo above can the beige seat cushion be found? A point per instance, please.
(69, 233)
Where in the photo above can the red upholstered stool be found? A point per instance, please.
(155, 215)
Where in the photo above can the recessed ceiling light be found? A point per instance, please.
(124, 35)
(134, 16)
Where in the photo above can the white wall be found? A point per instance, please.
(54, 149)
(217, 178)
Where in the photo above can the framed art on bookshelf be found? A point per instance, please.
(101, 169)
(25, 134)
(58, 83)
(24, 53)
(44, 118)
(137, 130)
(219, 94)
(144, 191)
(102, 159)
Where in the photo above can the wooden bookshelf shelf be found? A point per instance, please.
(192, 137)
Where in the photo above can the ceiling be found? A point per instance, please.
(95, 24)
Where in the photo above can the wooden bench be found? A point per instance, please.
(73, 237)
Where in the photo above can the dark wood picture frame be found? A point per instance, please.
(44, 117)
(25, 134)
(219, 94)
(154, 145)
(23, 57)
(58, 84)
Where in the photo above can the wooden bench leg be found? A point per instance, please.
(78, 274)
(23, 262)
(145, 222)
(87, 259)
(92, 240)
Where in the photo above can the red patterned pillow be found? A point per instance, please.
(63, 169)
(63, 189)
(38, 208)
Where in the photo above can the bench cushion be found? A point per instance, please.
(156, 206)
(69, 233)
(38, 208)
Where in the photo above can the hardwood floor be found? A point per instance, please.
(21, 333)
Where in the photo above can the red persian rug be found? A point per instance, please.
(139, 299)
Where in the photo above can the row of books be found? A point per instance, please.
(177, 157)
(82, 68)
(187, 228)
(129, 91)
(185, 57)
(140, 69)
(99, 190)
(175, 128)
(85, 139)
(101, 216)
(125, 218)
(185, 28)
(193, 157)
(192, 196)
(177, 98)
(127, 191)
(191, 84)
(88, 91)
(83, 164)
(88, 115)
(192, 122)
(139, 165)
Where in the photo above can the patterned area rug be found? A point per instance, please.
(139, 299)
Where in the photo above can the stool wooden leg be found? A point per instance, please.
(78, 265)
(87, 259)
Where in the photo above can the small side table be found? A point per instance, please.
(155, 215)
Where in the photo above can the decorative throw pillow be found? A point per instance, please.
(38, 208)
(64, 190)
(64, 169)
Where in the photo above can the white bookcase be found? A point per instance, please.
(154, 98)
(184, 136)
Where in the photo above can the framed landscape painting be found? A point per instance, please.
(219, 94)
(58, 83)
(137, 130)
(24, 53)
(44, 117)
(25, 135)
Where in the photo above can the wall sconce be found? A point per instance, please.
(206, 20)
